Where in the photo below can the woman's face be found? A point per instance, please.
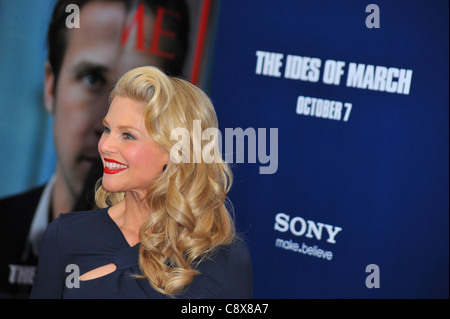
(131, 159)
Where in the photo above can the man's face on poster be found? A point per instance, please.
(94, 60)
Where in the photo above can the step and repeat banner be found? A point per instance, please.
(332, 114)
(341, 187)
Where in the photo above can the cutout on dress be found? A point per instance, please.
(98, 272)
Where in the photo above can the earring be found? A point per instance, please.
(164, 167)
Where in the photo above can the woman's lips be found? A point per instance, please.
(113, 167)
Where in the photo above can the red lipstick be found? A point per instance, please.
(113, 167)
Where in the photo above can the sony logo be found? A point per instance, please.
(310, 229)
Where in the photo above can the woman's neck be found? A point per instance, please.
(129, 215)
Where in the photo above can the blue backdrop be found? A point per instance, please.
(361, 114)
(356, 123)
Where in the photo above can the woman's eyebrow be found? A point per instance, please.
(123, 127)
(128, 127)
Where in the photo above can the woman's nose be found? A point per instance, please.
(106, 144)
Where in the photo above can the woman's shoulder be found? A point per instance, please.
(239, 249)
(238, 259)
(82, 216)
(238, 280)
(80, 224)
(225, 273)
(232, 256)
(223, 254)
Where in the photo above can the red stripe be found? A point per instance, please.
(200, 41)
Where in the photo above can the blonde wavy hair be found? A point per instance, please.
(190, 213)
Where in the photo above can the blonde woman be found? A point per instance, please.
(163, 229)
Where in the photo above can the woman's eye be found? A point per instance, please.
(106, 129)
(128, 136)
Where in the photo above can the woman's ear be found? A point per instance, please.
(49, 88)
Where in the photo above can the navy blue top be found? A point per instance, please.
(92, 239)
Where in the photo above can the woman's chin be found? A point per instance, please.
(111, 187)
